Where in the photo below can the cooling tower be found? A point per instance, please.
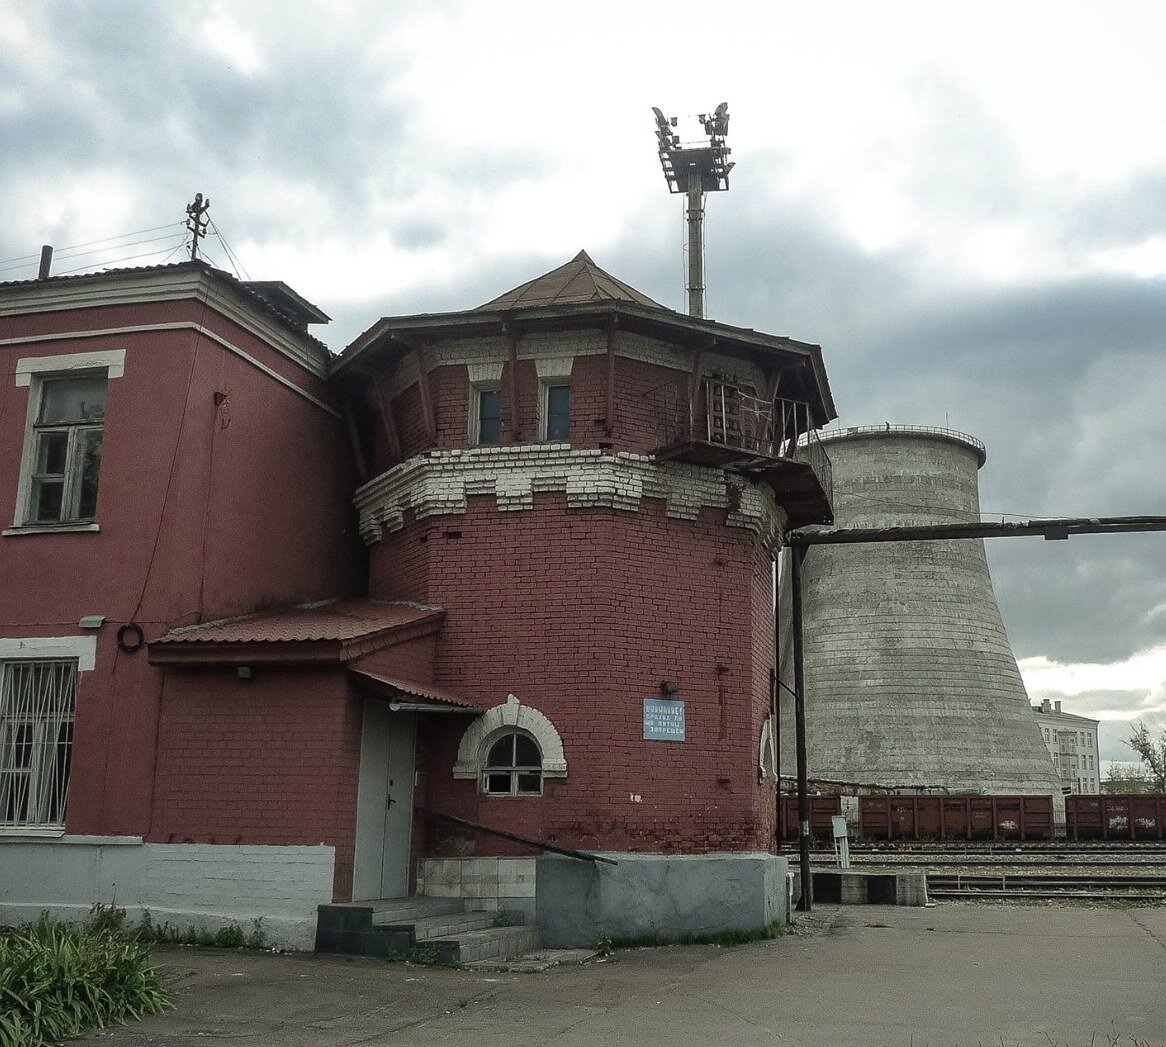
(910, 679)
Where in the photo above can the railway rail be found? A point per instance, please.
(1011, 885)
(978, 847)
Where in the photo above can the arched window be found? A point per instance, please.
(513, 766)
(509, 750)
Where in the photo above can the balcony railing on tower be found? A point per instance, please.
(776, 441)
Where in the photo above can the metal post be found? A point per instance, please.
(806, 902)
(777, 676)
(694, 213)
(46, 262)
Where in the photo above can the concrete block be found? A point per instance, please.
(667, 896)
(867, 887)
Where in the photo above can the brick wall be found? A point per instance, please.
(581, 613)
(641, 388)
(271, 760)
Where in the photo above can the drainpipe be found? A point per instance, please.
(797, 553)
(775, 697)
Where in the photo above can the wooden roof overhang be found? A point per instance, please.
(383, 344)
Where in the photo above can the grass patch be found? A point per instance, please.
(723, 938)
(57, 982)
(113, 919)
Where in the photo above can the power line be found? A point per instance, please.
(115, 261)
(180, 245)
(90, 243)
(108, 247)
(238, 266)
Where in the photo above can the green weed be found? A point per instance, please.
(57, 982)
(229, 937)
(605, 946)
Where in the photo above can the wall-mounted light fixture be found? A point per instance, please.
(243, 672)
(669, 687)
(91, 621)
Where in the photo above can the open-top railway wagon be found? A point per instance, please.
(1029, 818)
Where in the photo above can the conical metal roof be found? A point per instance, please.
(579, 280)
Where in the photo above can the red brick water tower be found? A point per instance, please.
(592, 487)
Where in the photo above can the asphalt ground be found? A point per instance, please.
(956, 974)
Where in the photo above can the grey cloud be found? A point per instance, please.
(1060, 380)
(1063, 380)
(1090, 703)
(964, 163)
(1115, 216)
(149, 102)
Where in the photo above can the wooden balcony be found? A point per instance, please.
(773, 441)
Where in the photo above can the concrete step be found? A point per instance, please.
(408, 910)
(490, 943)
(355, 928)
(445, 924)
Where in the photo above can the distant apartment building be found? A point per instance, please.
(1072, 744)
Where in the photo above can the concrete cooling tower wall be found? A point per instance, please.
(910, 679)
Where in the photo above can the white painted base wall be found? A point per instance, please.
(188, 885)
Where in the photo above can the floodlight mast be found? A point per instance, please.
(695, 168)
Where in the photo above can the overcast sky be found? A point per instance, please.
(964, 204)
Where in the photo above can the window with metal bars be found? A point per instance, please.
(66, 450)
(513, 766)
(37, 703)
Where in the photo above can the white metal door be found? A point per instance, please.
(384, 803)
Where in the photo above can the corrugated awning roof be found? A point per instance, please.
(415, 694)
(332, 632)
(337, 620)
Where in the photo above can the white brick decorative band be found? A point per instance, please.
(438, 482)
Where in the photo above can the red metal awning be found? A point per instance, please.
(411, 696)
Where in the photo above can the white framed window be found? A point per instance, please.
(554, 398)
(512, 765)
(486, 415)
(61, 462)
(555, 411)
(66, 450)
(37, 706)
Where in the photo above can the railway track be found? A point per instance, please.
(1035, 885)
(1058, 861)
(970, 847)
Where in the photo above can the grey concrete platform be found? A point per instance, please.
(849, 976)
(868, 886)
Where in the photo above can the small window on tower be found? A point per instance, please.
(489, 404)
(558, 412)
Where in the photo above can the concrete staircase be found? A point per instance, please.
(426, 930)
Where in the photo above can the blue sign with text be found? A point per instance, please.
(663, 720)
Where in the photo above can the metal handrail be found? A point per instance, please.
(583, 856)
(894, 428)
(730, 418)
